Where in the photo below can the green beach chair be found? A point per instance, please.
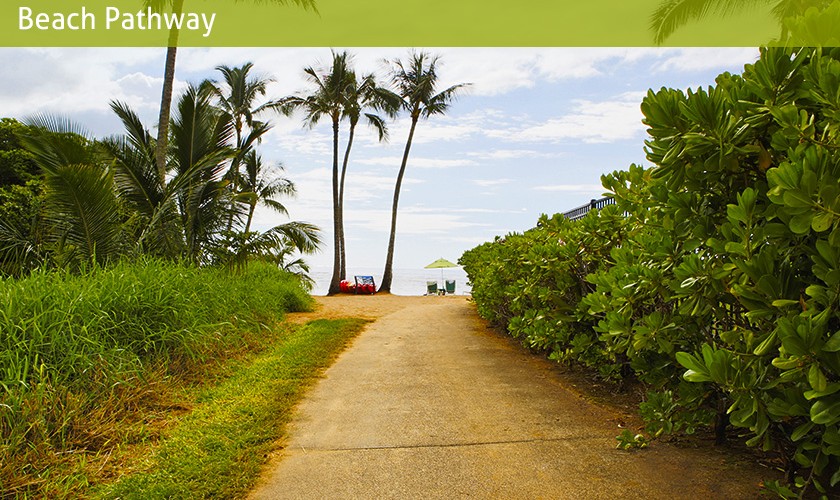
(450, 286)
(431, 288)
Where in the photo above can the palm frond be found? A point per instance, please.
(378, 124)
(82, 210)
(302, 236)
(19, 251)
(136, 133)
(276, 206)
(135, 175)
(674, 14)
(57, 141)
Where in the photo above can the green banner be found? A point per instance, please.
(267, 23)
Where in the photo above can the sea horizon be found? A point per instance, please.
(406, 281)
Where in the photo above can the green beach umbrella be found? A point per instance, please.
(441, 264)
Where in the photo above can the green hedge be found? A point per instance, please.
(715, 279)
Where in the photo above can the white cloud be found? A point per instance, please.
(575, 188)
(395, 161)
(511, 154)
(491, 182)
(590, 122)
(70, 81)
(411, 221)
(701, 59)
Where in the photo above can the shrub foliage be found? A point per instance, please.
(715, 279)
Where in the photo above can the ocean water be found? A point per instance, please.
(405, 282)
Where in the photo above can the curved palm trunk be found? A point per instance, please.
(166, 97)
(387, 276)
(337, 223)
(343, 268)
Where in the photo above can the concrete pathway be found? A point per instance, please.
(429, 403)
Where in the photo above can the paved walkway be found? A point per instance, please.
(429, 403)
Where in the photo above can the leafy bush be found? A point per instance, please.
(717, 280)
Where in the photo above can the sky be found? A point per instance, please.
(532, 134)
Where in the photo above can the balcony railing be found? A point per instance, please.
(579, 212)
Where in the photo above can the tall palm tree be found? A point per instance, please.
(327, 99)
(673, 14)
(177, 7)
(361, 95)
(416, 83)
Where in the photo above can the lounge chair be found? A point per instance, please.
(431, 288)
(450, 286)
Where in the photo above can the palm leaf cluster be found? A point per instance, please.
(671, 15)
(107, 199)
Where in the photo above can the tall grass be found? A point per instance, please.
(73, 346)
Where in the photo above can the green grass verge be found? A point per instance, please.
(92, 363)
(218, 449)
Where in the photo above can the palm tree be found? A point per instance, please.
(366, 94)
(181, 214)
(150, 198)
(238, 96)
(327, 100)
(673, 14)
(416, 83)
(201, 137)
(177, 7)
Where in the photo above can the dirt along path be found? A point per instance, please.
(430, 403)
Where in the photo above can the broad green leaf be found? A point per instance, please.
(797, 199)
(765, 346)
(693, 376)
(690, 362)
(821, 222)
(800, 431)
(833, 344)
(785, 363)
(816, 378)
(824, 413)
(829, 390)
(800, 224)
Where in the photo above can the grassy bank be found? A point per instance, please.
(89, 363)
(218, 449)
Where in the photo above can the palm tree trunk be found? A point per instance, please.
(335, 280)
(387, 276)
(343, 258)
(166, 97)
(250, 217)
